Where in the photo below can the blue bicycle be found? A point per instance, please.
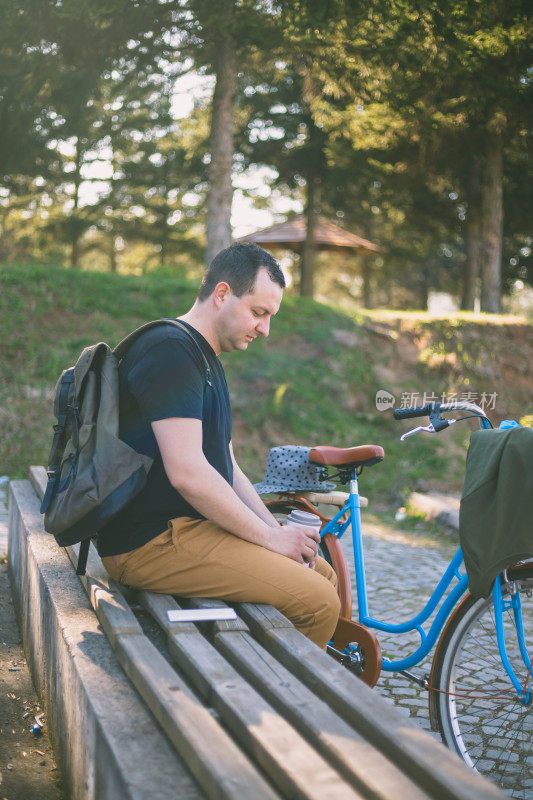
(480, 686)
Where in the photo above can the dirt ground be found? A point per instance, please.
(28, 770)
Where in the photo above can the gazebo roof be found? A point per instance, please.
(291, 235)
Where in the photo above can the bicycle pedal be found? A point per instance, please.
(350, 632)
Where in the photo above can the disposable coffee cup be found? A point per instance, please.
(297, 517)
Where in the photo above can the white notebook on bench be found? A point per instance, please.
(200, 614)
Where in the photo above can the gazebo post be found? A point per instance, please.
(366, 272)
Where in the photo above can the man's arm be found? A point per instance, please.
(180, 443)
(244, 489)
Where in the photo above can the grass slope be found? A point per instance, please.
(312, 382)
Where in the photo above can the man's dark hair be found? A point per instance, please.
(238, 265)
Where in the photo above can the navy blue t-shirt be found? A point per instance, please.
(163, 375)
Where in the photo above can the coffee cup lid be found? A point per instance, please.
(304, 517)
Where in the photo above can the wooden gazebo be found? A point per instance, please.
(292, 235)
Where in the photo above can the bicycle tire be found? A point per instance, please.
(329, 548)
(489, 730)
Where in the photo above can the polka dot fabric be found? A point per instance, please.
(289, 469)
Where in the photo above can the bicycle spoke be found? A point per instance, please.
(486, 742)
(510, 751)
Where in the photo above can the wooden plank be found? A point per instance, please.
(287, 758)
(413, 751)
(113, 612)
(344, 748)
(432, 766)
(263, 617)
(216, 762)
(333, 498)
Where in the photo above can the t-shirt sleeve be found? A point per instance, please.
(168, 382)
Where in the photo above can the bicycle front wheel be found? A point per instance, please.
(472, 701)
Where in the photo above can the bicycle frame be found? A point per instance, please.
(337, 528)
(499, 607)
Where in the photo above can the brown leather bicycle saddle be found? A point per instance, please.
(365, 455)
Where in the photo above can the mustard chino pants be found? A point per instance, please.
(196, 558)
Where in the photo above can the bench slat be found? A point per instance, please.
(217, 763)
(355, 758)
(214, 759)
(436, 769)
(290, 761)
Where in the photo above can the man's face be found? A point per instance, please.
(243, 319)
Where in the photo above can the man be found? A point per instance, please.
(199, 528)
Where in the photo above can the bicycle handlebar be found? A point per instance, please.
(434, 410)
(411, 411)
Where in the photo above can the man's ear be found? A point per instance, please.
(221, 293)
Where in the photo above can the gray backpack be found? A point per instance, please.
(92, 473)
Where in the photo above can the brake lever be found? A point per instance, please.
(427, 428)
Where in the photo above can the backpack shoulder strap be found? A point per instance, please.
(66, 380)
(122, 347)
(83, 554)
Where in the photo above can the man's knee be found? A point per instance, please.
(322, 606)
(327, 600)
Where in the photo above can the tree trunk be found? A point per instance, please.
(423, 294)
(492, 226)
(74, 228)
(425, 272)
(366, 271)
(308, 260)
(164, 215)
(472, 238)
(221, 139)
(164, 241)
(112, 253)
(74, 250)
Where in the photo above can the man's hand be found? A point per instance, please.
(297, 542)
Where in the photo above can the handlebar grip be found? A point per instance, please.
(412, 411)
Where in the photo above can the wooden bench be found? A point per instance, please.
(246, 708)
